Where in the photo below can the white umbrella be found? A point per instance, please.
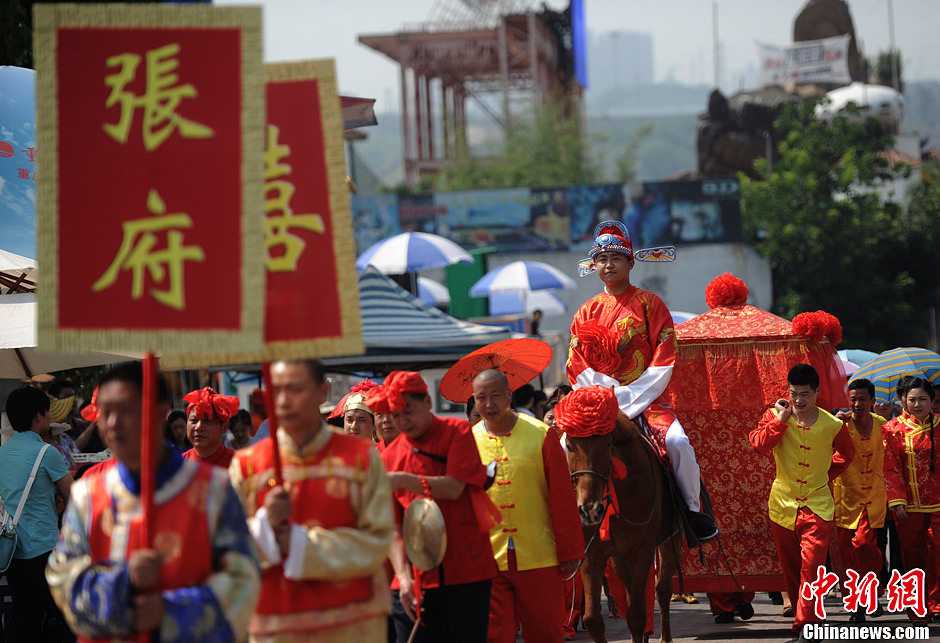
(522, 276)
(679, 316)
(18, 271)
(410, 252)
(432, 292)
(19, 357)
(515, 303)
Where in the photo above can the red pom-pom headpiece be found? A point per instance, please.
(726, 290)
(389, 397)
(818, 326)
(209, 404)
(90, 413)
(587, 411)
(357, 399)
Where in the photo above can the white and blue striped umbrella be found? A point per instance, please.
(885, 370)
(521, 276)
(433, 293)
(410, 252)
(518, 303)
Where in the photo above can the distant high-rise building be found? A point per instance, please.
(620, 59)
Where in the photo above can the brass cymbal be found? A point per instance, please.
(424, 534)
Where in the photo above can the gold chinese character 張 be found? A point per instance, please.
(159, 102)
(280, 216)
(137, 254)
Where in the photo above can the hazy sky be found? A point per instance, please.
(681, 29)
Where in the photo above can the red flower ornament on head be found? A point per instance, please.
(377, 400)
(397, 384)
(597, 344)
(587, 411)
(209, 404)
(726, 290)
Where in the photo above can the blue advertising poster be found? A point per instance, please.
(374, 218)
(18, 161)
(591, 204)
(513, 220)
(684, 212)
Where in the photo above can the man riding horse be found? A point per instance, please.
(624, 338)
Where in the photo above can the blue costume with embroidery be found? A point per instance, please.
(210, 576)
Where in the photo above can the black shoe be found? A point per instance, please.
(858, 617)
(776, 598)
(703, 527)
(878, 612)
(724, 617)
(745, 611)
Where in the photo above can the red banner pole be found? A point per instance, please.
(272, 422)
(147, 454)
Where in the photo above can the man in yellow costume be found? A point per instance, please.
(859, 493)
(539, 541)
(810, 448)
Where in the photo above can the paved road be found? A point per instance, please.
(695, 623)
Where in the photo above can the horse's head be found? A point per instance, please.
(589, 459)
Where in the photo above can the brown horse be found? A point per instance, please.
(647, 522)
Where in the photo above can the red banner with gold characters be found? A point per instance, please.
(312, 304)
(150, 187)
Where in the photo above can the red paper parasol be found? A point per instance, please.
(522, 360)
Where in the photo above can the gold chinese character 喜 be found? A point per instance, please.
(280, 216)
(161, 97)
(137, 254)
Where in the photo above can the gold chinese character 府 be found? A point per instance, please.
(138, 255)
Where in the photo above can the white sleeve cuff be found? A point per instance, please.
(294, 565)
(590, 377)
(263, 534)
(627, 401)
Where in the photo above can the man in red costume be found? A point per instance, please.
(539, 541)
(624, 338)
(200, 580)
(325, 533)
(437, 457)
(207, 419)
(811, 448)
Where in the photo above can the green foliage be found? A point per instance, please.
(16, 38)
(833, 242)
(882, 71)
(547, 151)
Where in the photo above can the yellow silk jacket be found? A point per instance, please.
(862, 484)
(807, 458)
(521, 493)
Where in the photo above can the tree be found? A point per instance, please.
(833, 241)
(547, 151)
(883, 67)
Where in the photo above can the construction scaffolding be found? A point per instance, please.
(476, 51)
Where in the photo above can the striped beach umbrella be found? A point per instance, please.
(412, 251)
(885, 370)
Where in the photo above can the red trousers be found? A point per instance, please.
(574, 593)
(619, 594)
(801, 551)
(859, 547)
(919, 536)
(536, 597)
(724, 602)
